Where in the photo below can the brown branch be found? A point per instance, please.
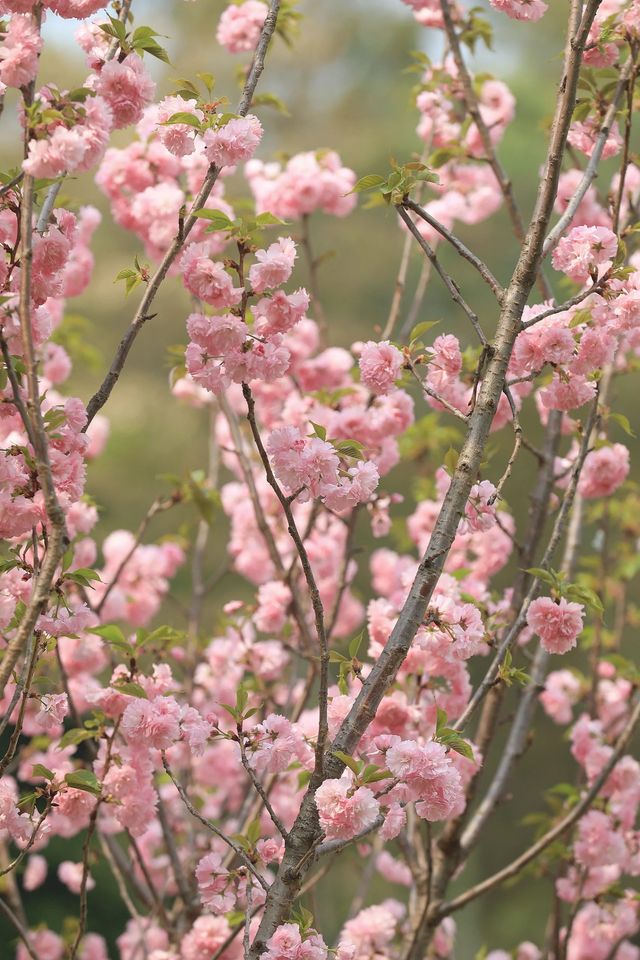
(305, 832)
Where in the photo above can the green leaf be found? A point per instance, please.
(84, 780)
(114, 636)
(183, 116)
(541, 574)
(269, 220)
(348, 761)
(151, 46)
(253, 832)
(580, 317)
(370, 182)
(319, 430)
(421, 328)
(580, 594)
(349, 448)
(271, 100)
(208, 79)
(218, 219)
(131, 689)
(455, 742)
(451, 460)
(38, 770)
(623, 421)
(75, 736)
(355, 644)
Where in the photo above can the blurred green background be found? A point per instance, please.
(346, 87)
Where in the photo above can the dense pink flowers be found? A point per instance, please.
(604, 471)
(430, 778)
(207, 279)
(127, 88)
(530, 10)
(584, 250)
(380, 366)
(216, 891)
(152, 723)
(233, 142)
(240, 25)
(345, 811)
(308, 182)
(273, 266)
(19, 51)
(558, 624)
(287, 944)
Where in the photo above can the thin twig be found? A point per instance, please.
(512, 869)
(591, 170)
(142, 314)
(450, 284)
(23, 933)
(239, 852)
(459, 247)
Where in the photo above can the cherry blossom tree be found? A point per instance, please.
(221, 770)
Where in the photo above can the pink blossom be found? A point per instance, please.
(152, 723)
(274, 265)
(195, 730)
(604, 471)
(287, 944)
(557, 624)
(394, 822)
(178, 138)
(277, 742)
(208, 280)
(430, 777)
(530, 10)
(239, 26)
(45, 945)
(270, 850)
(274, 599)
(71, 875)
(561, 692)
(567, 392)
(94, 947)
(280, 312)
(583, 250)
(127, 88)
(380, 366)
(233, 142)
(480, 511)
(207, 934)
(60, 152)
(598, 843)
(344, 811)
(214, 884)
(302, 461)
(53, 709)
(19, 51)
(74, 8)
(446, 354)
(309, 182)
(35, 872)
(584, 134)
